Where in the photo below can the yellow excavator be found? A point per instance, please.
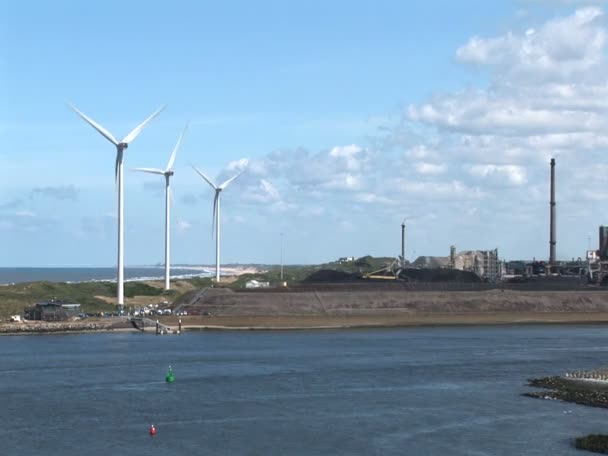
(391, 271)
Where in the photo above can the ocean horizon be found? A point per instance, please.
(95, 274)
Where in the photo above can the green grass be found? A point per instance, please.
(198, 282)
(14, 298)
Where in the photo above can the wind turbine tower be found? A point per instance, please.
(167, 173)
(121, 146)
(216, 214)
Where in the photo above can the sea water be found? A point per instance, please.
(20, 275)
(411, 391)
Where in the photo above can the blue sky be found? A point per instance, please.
(350, 115)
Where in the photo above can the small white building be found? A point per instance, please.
(346, 259)
(256, 284)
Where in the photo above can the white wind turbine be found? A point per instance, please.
(168, 172)
(216, 214)
(120, 148)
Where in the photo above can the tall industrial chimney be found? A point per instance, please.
(552, 239)
(604, 242)
(403, 241)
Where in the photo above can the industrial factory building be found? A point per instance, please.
(598, 259)
(52, 311)
(484, 263)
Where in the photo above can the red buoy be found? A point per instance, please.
(152, 430)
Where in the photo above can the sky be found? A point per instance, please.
(349, 117)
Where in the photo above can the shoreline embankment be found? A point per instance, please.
(222, 308)
(307, 322)
(390, 307)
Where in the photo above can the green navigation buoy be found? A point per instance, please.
(170, 377)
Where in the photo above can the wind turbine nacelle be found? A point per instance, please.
(123, 145)
(169, 173)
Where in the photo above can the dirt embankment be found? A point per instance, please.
(225, 302)
(265, 309)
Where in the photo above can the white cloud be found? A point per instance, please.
(547, 98)
(238, 165)
(344, 181)
(262, 191)
(421, 152)
(511, 174)
(560, 48)
(438, 190)
(350, 155)
(183, 226)
(372, 198)
(430, 168)
(503, 113)
(345, 151)
(282, 206)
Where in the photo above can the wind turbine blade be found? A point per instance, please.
(137, 130)
(225, 184)
(174, 153)
(215, 200)
(204, 177)
(149, 170)
(105, 133)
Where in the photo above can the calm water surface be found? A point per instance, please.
(413, 391)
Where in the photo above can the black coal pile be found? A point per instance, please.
(331, 275)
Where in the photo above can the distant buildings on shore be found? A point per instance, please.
(52, 311)
(485, 263)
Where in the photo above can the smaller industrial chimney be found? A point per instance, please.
(452, 256)
(403, 241)
(552, 237)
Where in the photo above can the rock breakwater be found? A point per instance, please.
(593, 394)
(43, 327)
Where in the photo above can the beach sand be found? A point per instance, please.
(382, 320)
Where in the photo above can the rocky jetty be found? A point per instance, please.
(44, 327)
(593, 394)
(596, 443)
